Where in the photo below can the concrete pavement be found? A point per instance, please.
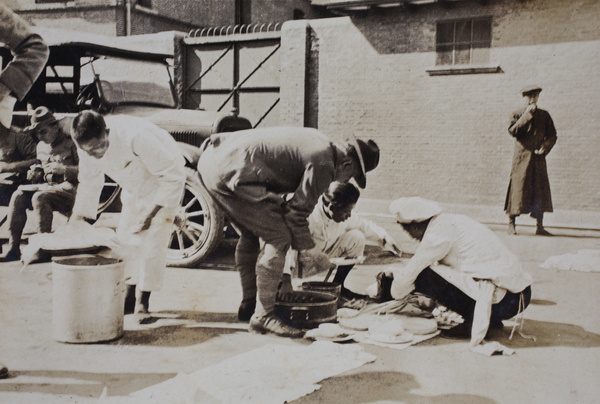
(197, 327)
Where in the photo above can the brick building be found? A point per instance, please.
(432, 81)
(131, 17)
(434, 84)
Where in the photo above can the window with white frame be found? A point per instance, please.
(463, 42)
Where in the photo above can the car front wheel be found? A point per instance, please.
(198, 226)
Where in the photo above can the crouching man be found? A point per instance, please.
(146, 162)
(339, 232)
(481, 279)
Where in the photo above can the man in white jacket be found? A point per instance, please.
(146, 162)
(339, 232)
(480, 278)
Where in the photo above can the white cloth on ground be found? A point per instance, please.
(584, 261)
(272, 374)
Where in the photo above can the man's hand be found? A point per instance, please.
(35, 175)
(540, 152)
(531, 108)
(55, 168)
(389, 244)
(147, 222)
(313, 261)
(285, 288)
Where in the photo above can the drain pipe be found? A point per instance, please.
(128, 5)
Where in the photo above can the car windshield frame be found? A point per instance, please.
(126, 81)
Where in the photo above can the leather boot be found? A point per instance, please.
(342, 273)
(540, 231)
(3, 371)
(141, 312)
(246, 309)
(130, 299)
(272, 324)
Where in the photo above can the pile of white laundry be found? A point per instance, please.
(584, 261)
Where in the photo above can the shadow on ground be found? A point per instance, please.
(80, 384)
(548, 334)
(392, 387)
(178, 329)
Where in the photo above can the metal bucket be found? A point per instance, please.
(327, 287)
(88, 295)
(307, 309)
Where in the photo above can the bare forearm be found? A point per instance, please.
(17, 166)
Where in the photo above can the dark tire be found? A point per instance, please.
(198, 226)
(109, 198)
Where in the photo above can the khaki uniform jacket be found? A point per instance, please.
(248, 172)
(29, 49)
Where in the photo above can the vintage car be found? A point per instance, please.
(113, 76)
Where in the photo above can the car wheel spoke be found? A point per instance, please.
(180, 240)
(196, 227)
(194, 237)
(203, 213)
(190, 203)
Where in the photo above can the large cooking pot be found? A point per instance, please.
(307, 309)
(327, 287)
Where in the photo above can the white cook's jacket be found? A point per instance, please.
(142, 158)
(474, 260)
(148, 165)
(326, 232)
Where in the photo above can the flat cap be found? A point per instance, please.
(531, 89)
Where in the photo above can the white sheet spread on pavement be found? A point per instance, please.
(492, 348)
(363, 337)
(271, 374)
(78, 235)
(584, 261)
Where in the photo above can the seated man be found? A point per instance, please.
(480, 279)
(56, 174)
(339, 232)
(17, 154)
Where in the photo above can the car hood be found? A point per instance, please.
(175, 120)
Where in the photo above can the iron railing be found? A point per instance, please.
(235, 29)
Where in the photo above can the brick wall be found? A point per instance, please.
(201, 13)
(445, 137)
(96, 20)
(262, 11)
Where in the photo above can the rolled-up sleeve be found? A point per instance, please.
(91, 182)
(315, 181)
(166, 164)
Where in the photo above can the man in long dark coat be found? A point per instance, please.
(529, 188)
